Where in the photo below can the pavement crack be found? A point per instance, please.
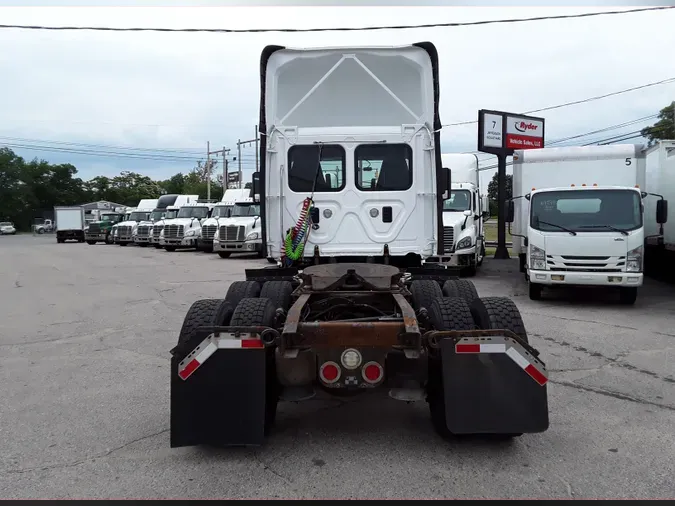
(268, 467)
(609, 393)
(79, 462)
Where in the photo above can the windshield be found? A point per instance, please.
(156, 215)
(110, 217)
(460, 200)
(221, 212)
(139, 216)
(586, 210)
(171, 214)
(193, 212)
(5, 224)
(246, 210)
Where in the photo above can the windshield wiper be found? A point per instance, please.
(559, 226)
(606, 226)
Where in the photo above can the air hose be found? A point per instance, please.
(295, 241)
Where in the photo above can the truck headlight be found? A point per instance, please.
(464, 243)
(537, 258)
(216, 236)
(191, 233)
(634, 260)
(252, 236)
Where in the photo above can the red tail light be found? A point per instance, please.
(372, 372)
(329, 372)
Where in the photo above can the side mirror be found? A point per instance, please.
(468, 212)
(448, 182)
(510, 211)
(661, 211)
(255, 187)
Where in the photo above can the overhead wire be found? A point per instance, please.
(336, 29)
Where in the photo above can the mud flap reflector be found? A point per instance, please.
(209, 346)
(493, 385)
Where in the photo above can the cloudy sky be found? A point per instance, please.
(150, 101)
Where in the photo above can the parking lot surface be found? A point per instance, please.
(85, 334)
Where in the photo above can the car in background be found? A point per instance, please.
(7, 228)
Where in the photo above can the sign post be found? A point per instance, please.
(501, 133)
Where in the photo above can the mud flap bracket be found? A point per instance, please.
(492, 384)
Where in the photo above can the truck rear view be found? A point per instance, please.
(70, 223)
(349, 158)
(577, 216)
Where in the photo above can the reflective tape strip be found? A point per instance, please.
(209, 346)
(526, 366)
(480, 348)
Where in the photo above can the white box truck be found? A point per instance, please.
(463, 213)
(660, 240)
(577, 217)
(70, 223)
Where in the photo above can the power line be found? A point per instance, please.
(583, 101)
(336, 29)
(103, 154)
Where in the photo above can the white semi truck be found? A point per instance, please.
(238, 233)
(143, 233)
(350, 154)
(157, 227)
(577, 217)
(464, 213)
(182, 231)
(222, 209)
(127, 229)
(660, 240)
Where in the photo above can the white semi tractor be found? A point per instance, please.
(127, 229)
(182, 231)
(464, 213)
(660, 240)
(143, 233)
(240, 233)
(222, 209)
(578, 217)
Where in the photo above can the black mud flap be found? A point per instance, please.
(221, 402)
(493, 386)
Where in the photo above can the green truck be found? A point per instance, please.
(100, 231)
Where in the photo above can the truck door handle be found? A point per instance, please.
(315, 215)
(387, 214)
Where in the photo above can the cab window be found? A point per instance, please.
(383, 167)
(307, 172)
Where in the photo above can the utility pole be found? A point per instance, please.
(225, 181)
(239, 144)
(208, 166)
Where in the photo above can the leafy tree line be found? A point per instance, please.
(31, 189)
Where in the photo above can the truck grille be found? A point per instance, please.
(585, 263)
(209, 231)
(156, 231)
(173, 231)
(94, 228)
(124, 232)
(142, 231)
(232, 233)
(448, 239)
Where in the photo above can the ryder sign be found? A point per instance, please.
(500, 133)
(524, 133)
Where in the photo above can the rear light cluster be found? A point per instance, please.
(371, 372)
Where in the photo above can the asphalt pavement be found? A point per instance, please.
(85, 334)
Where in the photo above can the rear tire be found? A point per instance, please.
(446, 313)
(203, 313)
(498, 313)
(240, 290)
(91, 243)
(258, 312)
(279, 292)
(462, 288)
(424, 293)
(170, 249)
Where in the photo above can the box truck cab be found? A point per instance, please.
(464, 213)
(222, 209)
(240, 232)
(183, 230)
(578, 217)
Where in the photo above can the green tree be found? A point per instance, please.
(175, 184)
(129, 187)
(664, 128)
(493, 188)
